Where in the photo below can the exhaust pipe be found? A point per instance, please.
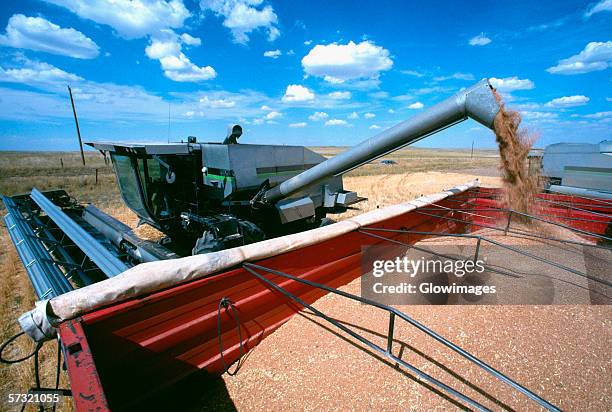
(476, 102)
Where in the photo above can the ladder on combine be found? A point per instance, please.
(387, 351)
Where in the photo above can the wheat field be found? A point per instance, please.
(416, 172)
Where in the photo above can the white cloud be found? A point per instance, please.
(190, 40)
(273, 115)
(297, 93)
(403, 97)
(297, 125)
(455, 76)
(412, 73)
(598, 115)
(434, 89)
(36, 33)
(244, 16)
(316, 116)
(216, 103)
(568, 101)
(273, 54)
(338, 63)
(111, 102)
(340, 95)
(539, 116)
(166, 47)
(307, 42)
(509, 84)
(391, 111)
(38, 74)
(603, 5)
(379, 95)
(336, 122)
(131, 19)
(353, 116)
(595, 56)
(266, 108)
(374, 127)
(416, 106)
(369, 115)
(480, 40)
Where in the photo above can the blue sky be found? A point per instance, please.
(295, 72)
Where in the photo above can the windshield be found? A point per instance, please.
(128, 184)
(153, 177)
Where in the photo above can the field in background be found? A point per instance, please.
(418, 171)
(20, 171)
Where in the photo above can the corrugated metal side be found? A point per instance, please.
(145, 345)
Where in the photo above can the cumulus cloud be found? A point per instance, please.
(374, 127)
(568, 101)
(336, 122)
(317, 116)
(369, 115)
(244, 16)
(595, 56)
(416, 106)
(189, 40)
(36, 33)
(509, 84)
(166, 47)
(340, 95)
(38, 74)
(353, 116)
(273, 115)
(297, 93)
(480, 40)
(273, 54)
(131, 19)
(603, 5)
(297, 125)
(339, 63)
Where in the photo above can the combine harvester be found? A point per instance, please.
(134, 318)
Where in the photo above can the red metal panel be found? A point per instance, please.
(147, 344)
(87, 391)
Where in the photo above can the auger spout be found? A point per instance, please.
(477, 102)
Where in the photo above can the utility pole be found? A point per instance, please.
(76, 121)
(472, 155)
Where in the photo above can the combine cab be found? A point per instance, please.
(203, 194)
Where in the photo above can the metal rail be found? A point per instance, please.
(96, 252)
(387, 352)
(507, 230)
(481, 238)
